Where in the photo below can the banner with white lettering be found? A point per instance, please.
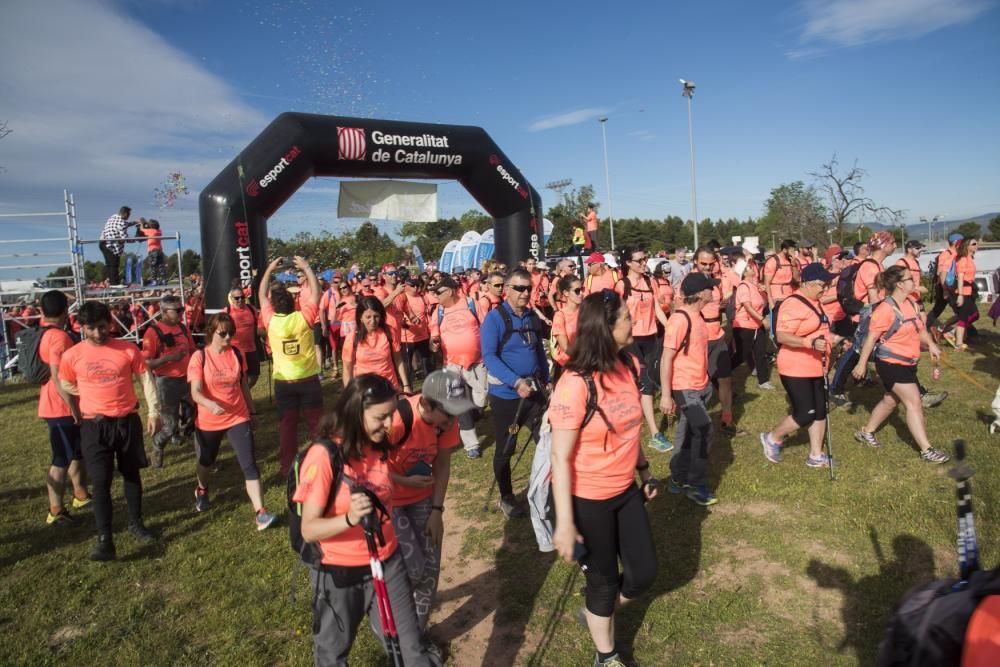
(388, 200)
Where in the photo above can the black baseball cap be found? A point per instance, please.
(816, 271)
(696, 282)
(913, 243)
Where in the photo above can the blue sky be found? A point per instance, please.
(106, 97)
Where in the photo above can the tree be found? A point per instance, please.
(846, 199)
(994, 229)
(569, 208)
(793, 211)
(969, 230)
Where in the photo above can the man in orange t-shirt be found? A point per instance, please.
(61, 412)
(454, 326)
(599, 274)
(910, 262)
(99, 370)
(167, 346)
(941, 293)
(720, 364)
(687, 390)
(420, 468)
(590, 222)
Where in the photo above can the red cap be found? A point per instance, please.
(595, 258)
(386, 268)
(832, 252)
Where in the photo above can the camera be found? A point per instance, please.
(286, 264)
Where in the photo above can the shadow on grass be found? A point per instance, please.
(868, 600)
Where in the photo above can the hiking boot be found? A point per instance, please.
(701, 495)
(613, 661)
(673, 486)
(772, 450)
(80, 503)
(661, 443)
(156, 460)
(473, 453)
(104, 549)
(821, 461)
(510, 508)
(731, 429)
(867, 439)
(932, 455)
(61, 519)
(201, 503)
(264, 519)
(840, 401)
(140, 532)
(930, 400)
(766, 386)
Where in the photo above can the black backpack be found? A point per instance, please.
(168, 340)
(592, 405)
(310, 552)
(845, 289)
(627, 286)
(29, 362)
(823, 319)
(508, 328)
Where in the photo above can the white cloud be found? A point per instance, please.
(846, 23)
(568, 118)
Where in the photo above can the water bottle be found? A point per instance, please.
(936, 373)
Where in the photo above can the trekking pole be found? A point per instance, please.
(385, 617)
(968, 549)
(511, 437)
(829, 431)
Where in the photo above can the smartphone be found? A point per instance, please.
(420, 468)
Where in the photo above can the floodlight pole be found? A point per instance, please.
(603, 120)
(688, 92)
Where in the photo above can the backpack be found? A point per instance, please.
(845, 288)
(468, 302)
(29, 361)
(687, 336)
(882, 352)
(823, 319)
(239, 361)
(310, 552)
(592, 405)
(405, 411)
(614, 279)
(509, 330)
(627, 289)
(167, 340)
(951, 278)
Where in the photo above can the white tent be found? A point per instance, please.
(467, 251)
(484, 250)
(448, 257)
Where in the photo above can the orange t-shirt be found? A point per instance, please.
(906, 341)
(349, 548)
(564, 324)
(690, 366)
(799, 319)
(944, 262)
(965, 269)
(152, 348)
(865, 278)
(415, 308)
(781, 276)
(641, 302)
(539, 289)
(373, 355)
(328, 304)
(103, 375)
(423, 444)
(346, 314)
(666, 294)
(712, 314)
(50, 350)
(459, 334)
(245, 319)
(603, 463)
(591, 221)
(604, 281)
(152, 243)
(834, 311)
(748, 294)
(221, 382)
(729, 282)
(485, 304)
(914, 268)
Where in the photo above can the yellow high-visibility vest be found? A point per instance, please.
(292, 347)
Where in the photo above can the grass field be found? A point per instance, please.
(789, 568)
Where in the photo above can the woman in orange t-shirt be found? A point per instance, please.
(372, 347)
(219, 388)
(335, 516)
(750, 324)
(599, 508)
(966, 294)
(570, 294)
(896, 355)
(802, 331)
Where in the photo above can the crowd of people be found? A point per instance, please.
(585, 349)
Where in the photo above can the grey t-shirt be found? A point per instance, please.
(677, 272)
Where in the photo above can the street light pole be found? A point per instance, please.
(688, 92)
(607, 178)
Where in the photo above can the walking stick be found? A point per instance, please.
(968, 549)
(373, 528)
(829, 431)
(512, 431)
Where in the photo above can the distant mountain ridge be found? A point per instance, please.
(919, 230)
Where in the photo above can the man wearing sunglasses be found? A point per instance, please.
(167, 346)
(492, 294)
(511, 344)
(247, 321)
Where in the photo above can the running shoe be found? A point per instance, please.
(80, 503)
(840, 401)
(61, 519)
(141, 533)
(867, 439)
(821, 461)
(731, 429)
(613, 661)
(701, 495)
(264, 519)
(949, 336)
(661, 443)
(473, 453)
(510, 508)
(932, 455)
(766, 386)
(104, 549)
(935, 333)
(673, 486)
(930, 400)
(772, 450)
(201, 503)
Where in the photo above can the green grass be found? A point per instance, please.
(788, 568)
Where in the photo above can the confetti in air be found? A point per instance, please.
(165, 195)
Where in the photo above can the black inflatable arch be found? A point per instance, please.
(235, 206)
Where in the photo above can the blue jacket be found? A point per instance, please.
(517, 359)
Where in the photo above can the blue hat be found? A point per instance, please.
(815, 271)
(955, 237)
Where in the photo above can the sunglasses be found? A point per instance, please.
(577, 290)
(441, 291)
(238, 298)
(496, 285)
(520, 288)
(224, 334)
(639, 259)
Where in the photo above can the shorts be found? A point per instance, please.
(893, 374)
(298, 395)
(844, 328)
(317, 334)
(720, 365)
(64, 437)
(253, 363)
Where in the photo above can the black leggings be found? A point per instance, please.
(807, 397)
(615, 529)
(504, 412)
(751, 346)
(422, 348)
(207, 443)
(647, 349)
